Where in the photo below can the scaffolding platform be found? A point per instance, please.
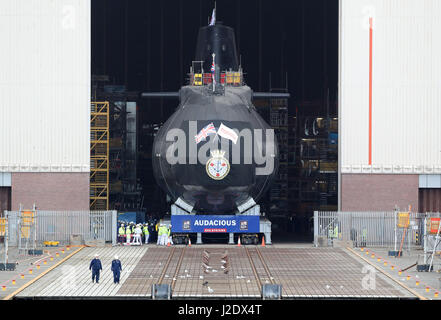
(99, 156)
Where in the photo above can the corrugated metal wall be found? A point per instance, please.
(45, 85)
(406, 82)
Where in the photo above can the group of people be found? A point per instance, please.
(132, 233)
(137, 234)
(96, 267)
(164, 237)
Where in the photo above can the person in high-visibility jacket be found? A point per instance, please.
(128, 233)
(336, 232)
(145, 230)
(164, 236)
(159, 232)
(169, 238)
(330, 233)
(121, 233)
(363, 237)
(132, 231)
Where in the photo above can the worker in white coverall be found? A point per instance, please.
(137, 239)
(128, 232)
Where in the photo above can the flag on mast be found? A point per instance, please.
(213, 70)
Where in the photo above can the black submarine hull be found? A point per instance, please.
(180, 164)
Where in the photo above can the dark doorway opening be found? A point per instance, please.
(147, 45)
(429, 200)
(5, 199)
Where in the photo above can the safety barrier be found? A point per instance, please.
(59, 226)
(371, 229)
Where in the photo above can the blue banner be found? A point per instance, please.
(215, 224)
(127, 217)
(135, 217)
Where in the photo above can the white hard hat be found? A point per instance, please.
(116, 257)
(96, 255)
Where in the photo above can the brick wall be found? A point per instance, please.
(365, 192)
(50, 191)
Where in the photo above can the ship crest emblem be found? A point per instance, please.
(217, 166)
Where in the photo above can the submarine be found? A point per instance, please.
(215, 156)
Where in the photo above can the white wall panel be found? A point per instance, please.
(406, 108)
(45, 85)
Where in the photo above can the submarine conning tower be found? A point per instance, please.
(217, 39)
(216, 57)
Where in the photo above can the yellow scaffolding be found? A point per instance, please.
(99, 156)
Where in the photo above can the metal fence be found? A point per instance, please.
(61, 225)
(370, 229)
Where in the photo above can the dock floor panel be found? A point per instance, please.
(73, 278)
(200, 272)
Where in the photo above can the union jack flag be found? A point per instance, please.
(205, 132)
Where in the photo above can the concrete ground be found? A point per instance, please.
(29, 267)
(426, 284)
(73, 277)
(302, 270)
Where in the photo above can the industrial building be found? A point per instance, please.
(45, 110)
(306, 124)
(373, 144)
(389, 98)
(91, 89)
